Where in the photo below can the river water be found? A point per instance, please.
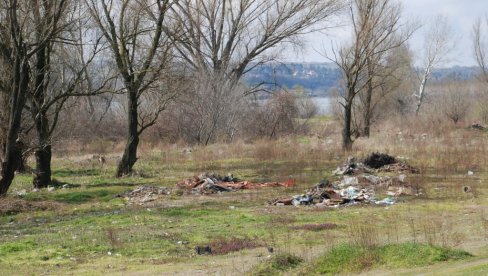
(324, 104)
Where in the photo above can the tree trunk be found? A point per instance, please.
(368, 112)
(421, 94)
(17, 102)
(11, 164)
(346, 131)
(130, 153)
(42, 174)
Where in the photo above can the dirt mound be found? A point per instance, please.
(10, 206)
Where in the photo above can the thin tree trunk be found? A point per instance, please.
(130, 153)
(346, 131)
(421, 94)
(367, 103)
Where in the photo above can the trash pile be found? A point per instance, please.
(357, 183)
(208, 183)
(477, 127)
(376, 161)
(144, 194)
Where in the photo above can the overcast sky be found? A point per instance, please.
(460, 13)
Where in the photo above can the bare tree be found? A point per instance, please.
(455, 102)
(134, 31)
(61, 72)
(27, 28)
(438, 43)
(377, 30)
(481, 46)
(388, 74)
(222, 40)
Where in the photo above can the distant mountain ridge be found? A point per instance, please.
(319, 78)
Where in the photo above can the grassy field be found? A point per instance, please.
(87, 230)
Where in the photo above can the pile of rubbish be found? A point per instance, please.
(357, 183)
(379, 162)
(144, 194)
(477, 127)
(208, 183)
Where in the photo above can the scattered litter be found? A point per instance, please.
(470, 173)
(144, 194)
(386, 201)
(467, 189)
(20, 193)
(70, 186)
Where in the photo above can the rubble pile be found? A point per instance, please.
(144, 194)
(357, 183)
(208, 183)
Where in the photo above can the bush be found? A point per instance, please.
(277, 265)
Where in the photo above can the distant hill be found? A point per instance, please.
(318, 78)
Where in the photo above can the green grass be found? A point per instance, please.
(347, 258)
(160, 237)
(17, 247)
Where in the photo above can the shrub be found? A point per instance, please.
(277, 265)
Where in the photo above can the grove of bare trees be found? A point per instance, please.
(377, 30)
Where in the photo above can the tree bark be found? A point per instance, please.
(367, 103)
(129, 157)
(423, 83)
(346, 131)
(43, 154)
(42, 174)
(17, 102)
